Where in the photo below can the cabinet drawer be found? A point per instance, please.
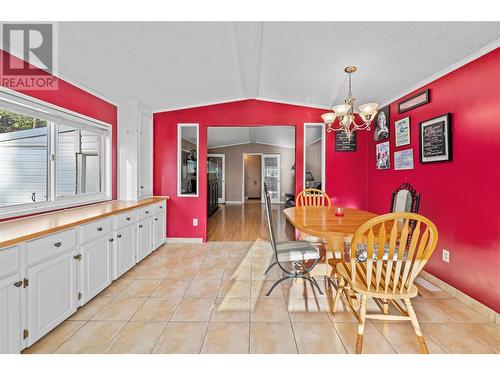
(144, 212)
(48, 246)
(95, 229)
(160, 207)
(126, 218)
(9, 261)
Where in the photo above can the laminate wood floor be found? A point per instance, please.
(247, 222)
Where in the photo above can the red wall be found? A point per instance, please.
(75, 99)
(461, 197)
(347, 185)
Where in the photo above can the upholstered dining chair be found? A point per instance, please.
(295, 259)
(405, 199)
(384, 262)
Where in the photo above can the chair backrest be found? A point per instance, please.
(395, 252)
(270, 222)
(313, 198)
(405, 199)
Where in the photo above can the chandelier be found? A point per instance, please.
(345, 114)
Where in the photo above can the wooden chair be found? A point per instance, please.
(384, 262)
(313, 198)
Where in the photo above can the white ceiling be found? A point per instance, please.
(221, 136)
(182, 64)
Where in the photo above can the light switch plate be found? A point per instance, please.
(195, 222)
(446, 256)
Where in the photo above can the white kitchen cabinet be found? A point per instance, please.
(135, 151)
(96, 266)
(158, 230)
(144, 238)
(125, 249)
(11, 291)
(52, 293)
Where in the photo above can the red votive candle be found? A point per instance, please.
(339, 211)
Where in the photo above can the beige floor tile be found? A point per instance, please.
(456, 338)
(172, 288)
(402, 338)
(273, 274)
(157, 309)
(244, 261)
(87, 311)
(194, 310)
(140, 288)
(231, 310)
(154, 273)
(373, 343)
(55, 338)
(121, 309)
(307, 310)
(234, 289)
(268, 310)
(259, 288)
(318, 338)
(136, 338)
(301, 288)
(272, 338)
(226, 338)
(115, 288)
(237, 273)
(186, 271)
(93, 337)
(445, 311)
(210, 273)
(181, 338)
(135, 271)
(203, 288)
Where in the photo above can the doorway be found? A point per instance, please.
(216, 167)
(252, 171)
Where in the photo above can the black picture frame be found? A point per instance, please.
(343, 144)
(427, 98)
(382, 124)
(435, 144)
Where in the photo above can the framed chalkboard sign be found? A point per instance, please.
(343, 144)
(435, 139)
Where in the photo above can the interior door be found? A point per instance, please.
(253, 175)
(271, 176)
(217, 170)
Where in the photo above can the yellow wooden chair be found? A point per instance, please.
(387, 253)
(313, 198)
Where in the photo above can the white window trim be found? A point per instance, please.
(51, 113)
(179, 151)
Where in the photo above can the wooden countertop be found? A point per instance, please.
(15, 231)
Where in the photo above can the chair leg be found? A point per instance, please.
(361, 325)
(340, 289)
(385, 306)
(277, 282)
(414, 321)
(270, 266)
(313, 281)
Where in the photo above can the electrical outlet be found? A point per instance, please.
(195, 222)
(446, 256)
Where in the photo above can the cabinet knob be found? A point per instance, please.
(142, 187)
(57, 244)
(111, 239)
(99, 229)
(119, 235)
(78, 257)
(161, 207)
(140, 225)
(147, 212)
(156, 219)
(18, 284)
(128, 219)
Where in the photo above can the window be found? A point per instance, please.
(50, 158)
(187, 173)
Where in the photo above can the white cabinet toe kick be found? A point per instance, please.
(43, 281)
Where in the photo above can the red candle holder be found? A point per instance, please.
(339, 211)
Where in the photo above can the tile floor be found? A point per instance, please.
(210, 298)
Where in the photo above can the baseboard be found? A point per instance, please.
(184, 240)
(233, 202)
(475, 305)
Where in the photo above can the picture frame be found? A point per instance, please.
(417, 100)
(382, 155)
(382, 124)
(403, 160)
(402, 132)
(435, 141)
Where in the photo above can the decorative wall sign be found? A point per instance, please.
(415, 101)
(402, 132)
(343, 144)
(383, 155)
(435, 139)
(382, 124)
(403, 159)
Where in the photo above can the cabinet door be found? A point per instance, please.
(158, 230)
(96, 266)
(144, 240)
(52, 294)
(10, 314)
(125, 249)
(145, 162)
